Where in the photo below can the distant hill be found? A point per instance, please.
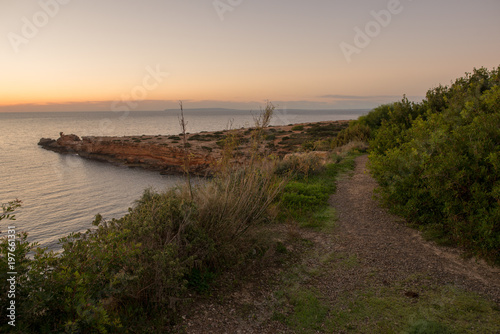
(224, 111)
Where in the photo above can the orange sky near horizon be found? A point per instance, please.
(86, 54)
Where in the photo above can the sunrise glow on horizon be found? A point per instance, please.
(90, 55)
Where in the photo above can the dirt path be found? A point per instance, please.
(394, 252)
(367, 249)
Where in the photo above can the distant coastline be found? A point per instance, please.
(175, 111)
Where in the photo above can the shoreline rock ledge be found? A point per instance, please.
(167, 154)
(132, 152)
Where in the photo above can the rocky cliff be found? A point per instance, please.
(132, 152)
(168, 153)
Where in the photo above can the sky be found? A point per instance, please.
(89, 55)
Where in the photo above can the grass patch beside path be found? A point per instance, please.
(305, 201)
(304, 308)
(437, 309)
(304, 302)
(305, 198)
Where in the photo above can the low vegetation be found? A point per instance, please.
(305, 198)
(144, 265)
(438, 161)
(439, 309)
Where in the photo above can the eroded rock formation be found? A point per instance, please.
(168, 153)
(156, 156)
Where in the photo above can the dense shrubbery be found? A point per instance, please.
(142, 265)
(438, 161)
(139, 266)
(130, 274)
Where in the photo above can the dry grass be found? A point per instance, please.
(355, 145)
(237, 198)
(230, 204)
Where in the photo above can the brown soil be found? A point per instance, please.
(395, 251)
(386, 252)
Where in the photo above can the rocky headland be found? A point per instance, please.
(169, 155)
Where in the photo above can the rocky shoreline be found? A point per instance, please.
(167, 153)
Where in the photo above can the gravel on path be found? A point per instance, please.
(385, 245)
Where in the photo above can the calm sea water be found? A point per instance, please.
(62, 193)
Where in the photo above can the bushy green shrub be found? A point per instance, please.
(320, 131)
(396, 121)
(270, 137)
(437, 162)
(141, 265)
(375, 117)
(124, 269)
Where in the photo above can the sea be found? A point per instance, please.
(61, 194)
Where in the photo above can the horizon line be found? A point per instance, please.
(186, 109)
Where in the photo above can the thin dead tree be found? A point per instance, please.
(186, 157)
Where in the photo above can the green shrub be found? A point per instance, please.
(375, 117)
(399, 119)
(141, 265)
(440, 168)
(270, 137)
(206, 148)
(308, 145)
(202, 137)
(320, 131)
